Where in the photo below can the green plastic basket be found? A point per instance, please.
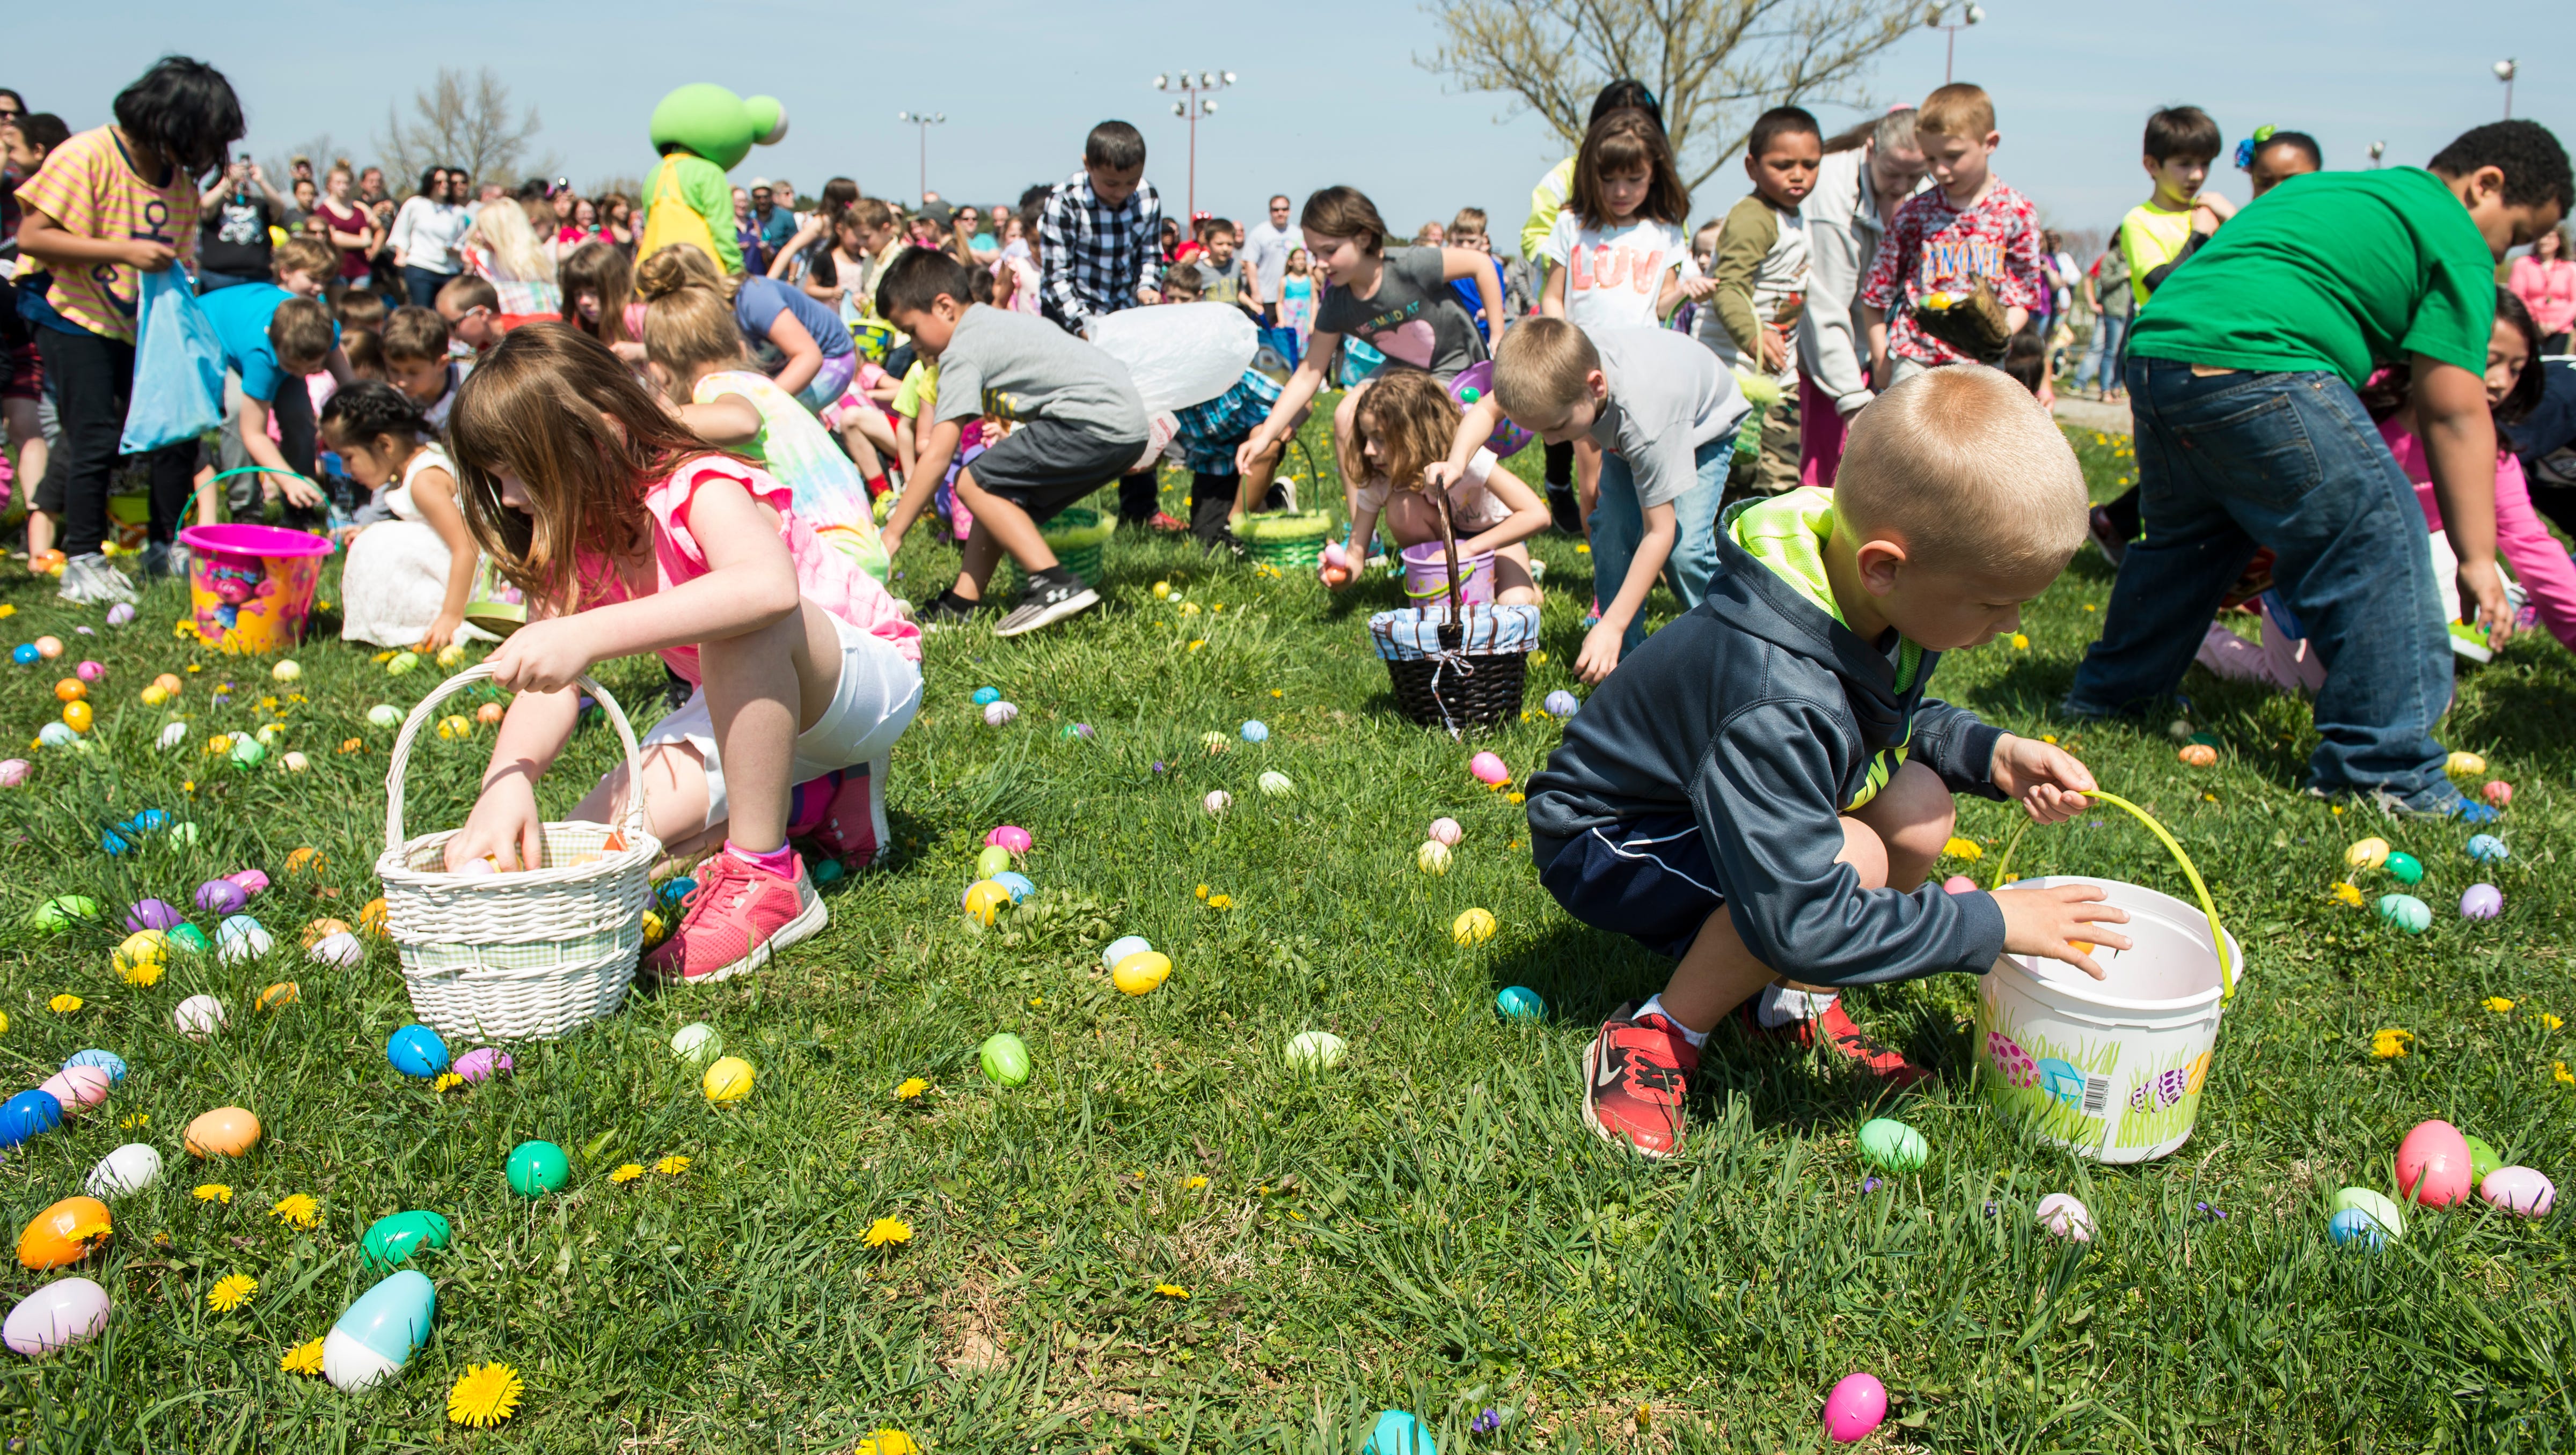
(1080, 542)
(1288, 542)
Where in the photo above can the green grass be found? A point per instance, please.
(1426, 1227)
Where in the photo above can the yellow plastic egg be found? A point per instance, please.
(142, 957)
(76, 716)
(985, 899)
(278, 996)
(1473, 927)
(372, 918)
(455, 725)
(2467, 765)
(227, 1131)
(2368, 854)
(1141, 972)
(286, 671)
(155, 695)
(727, 1080)
(450, 655)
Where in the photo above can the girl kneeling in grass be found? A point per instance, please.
(630, 535)
(1407, 422)
(407, 579)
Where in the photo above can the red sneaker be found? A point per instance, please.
(853, 829)
(1634, 1074)
(1845, 1039)
(737, 917)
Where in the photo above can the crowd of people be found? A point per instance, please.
(1815, 416)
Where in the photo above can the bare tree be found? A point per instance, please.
(1713, 64)
(279, 166)
(461, 122)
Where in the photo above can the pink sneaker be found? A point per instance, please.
(735, 919)
(853, 828)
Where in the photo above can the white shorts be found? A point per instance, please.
(873, 703)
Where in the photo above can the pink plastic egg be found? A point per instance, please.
(2519, 1190)
(13, 772)
(1857, 1406)
(1445, 832)
(1011, 837)
(89, 671)
(252, 881)
(76, 1087)
(2433, 1165)
(1958, 884)
(49, 647)
(2499, 792)
(483, 1063)
(1488, 768)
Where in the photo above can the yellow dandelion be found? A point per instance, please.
(64, 1004)
(911, 1089)
(2347, 894)
(1202, 891)
(1276, 692)
(627, 1173)
(2549, 1022)
(1515, 798)
(1201, 642)
(1538, 659)
(1959, 848)
(139, 1119)
(1195, 1183)
(2389, 1044)
(231, 1292)
(1220, 901)
(304, 1358)
(213, 1192)
(487, 1395)
(888, 1230)
(2559, 1070)
(1170, 1290)
(672, 1166)
(886, 1442)
(298, 1209)
(2498, 1004)
(2021, 643)
(446, 1079)
(2048, 738)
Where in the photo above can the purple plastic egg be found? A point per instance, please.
(152, 914)
(120, 614)
(221, 896)
(2482, 901)
(483, 1063)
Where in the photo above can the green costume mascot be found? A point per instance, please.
(703, 131)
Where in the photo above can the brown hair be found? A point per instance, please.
(300, 331)
(366, 353)
(362, 308)
(690, 328)
(1541, 366)
(1627, 140)
(556, 408)
(1468, 220)
(1413, 420)
(1183, 278)
(601, 268)
(414, 332)
(682, 265)
(1345, 212)
(466, 292)
(1957, 109)
(872, 213)
(309, 255)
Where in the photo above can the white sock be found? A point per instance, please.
(1656, 1007)
(1780, 1005)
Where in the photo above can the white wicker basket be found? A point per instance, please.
(527, 955)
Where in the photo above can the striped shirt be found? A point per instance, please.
(89, 187)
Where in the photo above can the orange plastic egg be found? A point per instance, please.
(71, 689)
(65, 1233)
(319, 930)
(2199, 755)
(76, 716)
(168, 682)
(227, 1131)
(48, 562)
(490, 712)
(372, 918)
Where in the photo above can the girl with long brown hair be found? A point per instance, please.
(1407, 423)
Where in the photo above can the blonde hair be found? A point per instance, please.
(1967, 470)
(691, 328)
(1411, 417)
(301, 253)
(1957, 109)
(516, 257)
(1541, 368)
(682, 265)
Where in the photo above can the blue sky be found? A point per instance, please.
(1327, 90)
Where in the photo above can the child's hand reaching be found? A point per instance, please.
(440, 633)
(2047, 779)
(504, 825)
(1600, 654)
(2051, 922)
(545, 656)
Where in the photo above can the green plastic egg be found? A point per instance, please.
(248, 752)
(2374, 1205)
(2483, 1159)
(191, 937)
(2405, 911)
(2405, 868)
(1893, 1145)
(392, 1240)
(537, 1168)
(1006, 1059)
(994, 860)
(59, 912)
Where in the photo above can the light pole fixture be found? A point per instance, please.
(925, 120)
(1950, 20)
(2505, 71)
(2378, 149)
(1195, 102)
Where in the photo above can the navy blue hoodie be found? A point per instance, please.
(1765, 718)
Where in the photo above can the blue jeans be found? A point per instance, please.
(2290, 461)
(1619, 523)
(421, 285)
(2105, 357)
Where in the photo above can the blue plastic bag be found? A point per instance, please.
(178, 366)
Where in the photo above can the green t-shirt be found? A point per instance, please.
(2339, 271)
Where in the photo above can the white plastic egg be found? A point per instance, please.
(130, 1168)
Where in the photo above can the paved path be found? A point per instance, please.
(2111, 417)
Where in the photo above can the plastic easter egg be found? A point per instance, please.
(729, 1080)
(2375, 1206)
(1891, 1144)
(49, 647)
(241, 938)
(2367, 854)
(992, 859)
(1317, 1051)
(13, 772)
(2498, 792)
(141, 957)
(1488, 769)
(191, 939)
(169, 682)
(248, 753)
(385, 715)
(1255, 731)
(1275, 784)
(152, 914)
(340, 948)
(1445, 831)
(31, 1113)
(396, 1238)
(130, 1168)
(78, 1088)
(1958, 884)
(483, 1063)
(70, 689)
(121, 613)
(1857, 1406)
(2406, 912)
(2465, 765)
(1120, 948)
(58, 912)
(227, 1131)
(1139, 973)
(25, 655)
(490, 714)
(1398, 1433)
(1520, 1003)
(153, 696)
(2483, 1159)
(107, 1061)
(998, 713)
(982, 696)
(673, 890)
(1075, 732)
(1562, 703)
(2404, 868)
(380, 1332)
(402, 663)
(1019, 885)
(537, 1168)
(1011, 837)
(455, 727)
(57, 735)
(984, 899)
(2481, 901)
(90, 671)
(827, 871)
(1217, 801)
(2433, 1165)
(1005, 1058)
(2487, 849)
(2519, 1190)
(221, 896)
(1432, 857)
(2064, 1215)
(416, 1051)
(2198, 755)
(696, 1042)
(199, 1016)
(2354, 1227)
(64, 1312)
(1472, 927)
(64, 1233)
(172, 735)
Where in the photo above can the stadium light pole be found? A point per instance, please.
(925, 121)
(2504, 71)
(1193, 87)
(1966, 15)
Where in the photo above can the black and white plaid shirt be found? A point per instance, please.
(1095, 257)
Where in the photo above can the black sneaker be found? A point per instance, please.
(945, 610)
(1562, 508)
(1047, 601)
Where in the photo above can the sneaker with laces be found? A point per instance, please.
(853, 828)
(90, 581)
(1635, 1073)
(1047, 602)
(945, 610)
(737, 917)
(1836, 1031)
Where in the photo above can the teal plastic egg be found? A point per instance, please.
(392, 1240)
(2406, 912)
(537, 1168)
(982, 695)
(380, 1332)
(1006, 1059)
(1399, 1433)
(1885, 1142)
(1520, 1003)
(2404, 868)
(190, 937)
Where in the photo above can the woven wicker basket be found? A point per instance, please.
(1296, 555)
(520, 956)
(1087, 562)
(1453, 686)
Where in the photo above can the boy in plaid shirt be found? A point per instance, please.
(1098, 253)
(1948, 237)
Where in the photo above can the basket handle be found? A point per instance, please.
(2191, 872)
(421, 712)
(1453, 632)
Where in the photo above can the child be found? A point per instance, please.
(1971, 228)
(1076, 424)
(1206, 435)
(1664, 414)
(2181, 143)
(407, 578)
(864, 418)
(1618, 257)
(1221, 275)
(628, 535)
(1761, 283)
(108, 206)
(1296, 303)
(273, 334)
(1097, 255)
(415, 344)
(1404, 428)
(599, 298)
(1762, 790)
(1396, 300)
(800, 344)
(472, 307)
(697, 363)
(24, 143)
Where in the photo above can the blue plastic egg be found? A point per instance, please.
(1256, 731)
(26, 656)
(984, 695)
(149, 821)
(1520, 1003)
(30, 1113)
(1398, 1433)
(112, 844)
(2487, 848)
(381, 1331)
(57, 735)
(107, 1061)
(677, 888)
(1018, 884)
(416, 1051)
(1562, 703)
(2354, 1226)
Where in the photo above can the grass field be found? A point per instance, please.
(1168, 1240)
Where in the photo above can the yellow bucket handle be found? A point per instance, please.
(2217, 936)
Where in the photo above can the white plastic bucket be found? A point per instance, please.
(2109, 1069)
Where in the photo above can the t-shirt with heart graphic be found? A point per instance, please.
(1414, 319)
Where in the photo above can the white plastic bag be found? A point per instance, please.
(1179, 354)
